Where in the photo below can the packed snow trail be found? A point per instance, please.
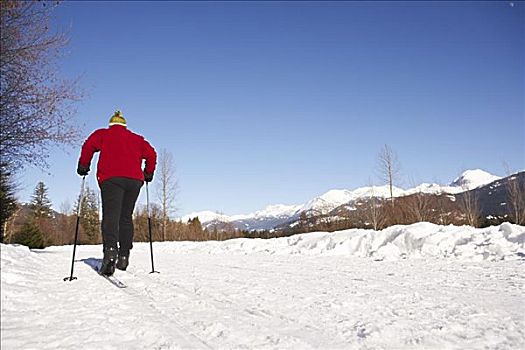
(209, 295)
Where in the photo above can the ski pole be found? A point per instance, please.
(149, 229)
(70, 278)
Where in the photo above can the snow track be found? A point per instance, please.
(208, 298)
(146, 304)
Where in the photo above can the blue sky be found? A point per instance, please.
(278, 102)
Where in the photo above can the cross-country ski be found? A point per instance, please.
(112, 279)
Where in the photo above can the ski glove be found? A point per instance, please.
(148, 177)
(82, 170)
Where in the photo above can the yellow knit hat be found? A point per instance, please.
(117, 119)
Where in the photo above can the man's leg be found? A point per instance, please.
(112, 196)
(126, 215)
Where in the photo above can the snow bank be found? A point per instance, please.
(502, 242)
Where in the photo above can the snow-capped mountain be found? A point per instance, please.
(335, 198)
(275, 215)
(269, 217)
(468, 180)
(277, 210)
(206, 216)
(471, 179)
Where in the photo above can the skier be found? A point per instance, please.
(120, 177)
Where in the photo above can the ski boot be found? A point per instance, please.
(108, 263)
(123, 260)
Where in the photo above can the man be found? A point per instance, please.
(120, 177)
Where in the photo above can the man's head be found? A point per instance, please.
(117, 119)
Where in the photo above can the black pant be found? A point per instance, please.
(119, 195)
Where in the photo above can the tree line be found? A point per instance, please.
(37, 225)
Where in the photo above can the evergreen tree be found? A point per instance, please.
(7, 199)
(40, 203)
(89, 215)
(30, 236)
(36, 232)
(195, 229)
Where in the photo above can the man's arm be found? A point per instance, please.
(149, 154)
(90, 146)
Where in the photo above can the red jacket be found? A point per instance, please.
(121, 153)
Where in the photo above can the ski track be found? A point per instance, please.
(259, 301)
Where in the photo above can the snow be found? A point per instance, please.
(335, 198)
(269, 217)
(271, 211)
(471, 179)
(419, 240)
(206, 216)
(276, 210)
(421, 286)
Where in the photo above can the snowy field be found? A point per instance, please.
(408, 287)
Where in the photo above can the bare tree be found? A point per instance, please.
(389, 168)
(65, 207)
(65, 223)
(36, 105)
(515, 196)
(418, 205)
(374, 212)
(168, 187)
(469, 205)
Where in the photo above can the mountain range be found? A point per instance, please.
(278, 215)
